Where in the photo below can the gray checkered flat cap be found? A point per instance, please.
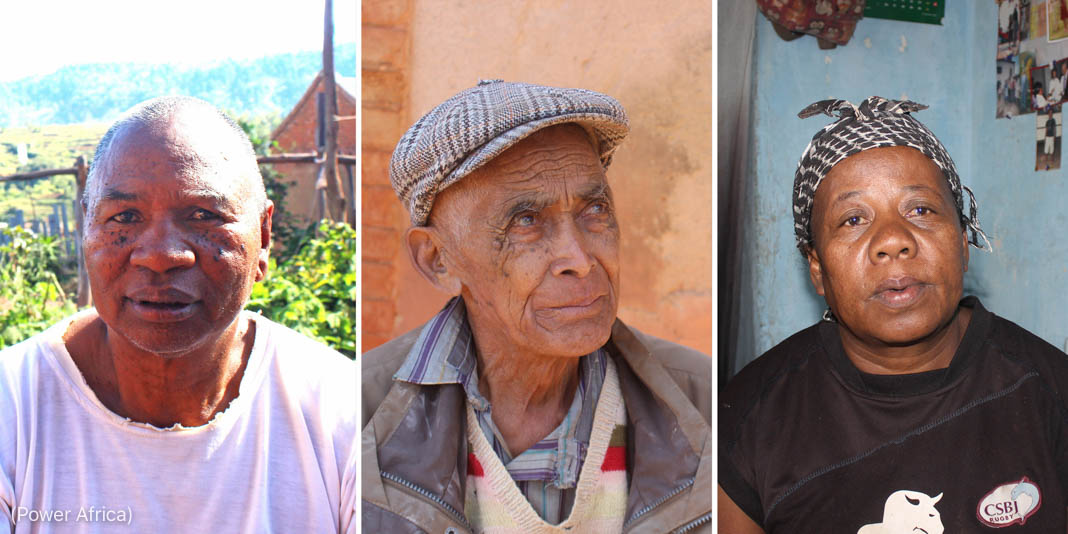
(478, 124)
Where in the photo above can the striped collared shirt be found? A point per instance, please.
(547, 472)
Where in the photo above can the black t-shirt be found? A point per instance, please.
(808, 443)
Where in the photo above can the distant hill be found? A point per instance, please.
(99, 92)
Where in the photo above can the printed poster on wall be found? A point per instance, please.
(1057, 13)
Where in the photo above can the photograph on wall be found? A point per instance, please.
(1024, 14)
(1040, 77)
(1008, 89)
(1057, 19)
(1025, 61)
(1038, 21)
(1048, 139)
(1057, 77)
(1008, 23)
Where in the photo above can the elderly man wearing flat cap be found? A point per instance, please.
(525, 405)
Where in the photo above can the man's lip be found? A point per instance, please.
(159, 312)
(573, 310)
(577, 303)
(162, 295)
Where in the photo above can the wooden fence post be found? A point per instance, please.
(335, 196)
(85, 298)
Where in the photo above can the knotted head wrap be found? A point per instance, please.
(876, 122)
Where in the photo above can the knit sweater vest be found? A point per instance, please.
(494, 504)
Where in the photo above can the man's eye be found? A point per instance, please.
(125, 217)
(525, 219)
(852, 221)
(204, 215)
(598, 208)
(920, 210)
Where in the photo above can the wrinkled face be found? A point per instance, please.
(174, 237)
(534, 242)
(889, 253)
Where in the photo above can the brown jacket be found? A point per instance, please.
(415, 455)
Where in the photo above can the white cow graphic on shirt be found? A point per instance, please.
(908, 512)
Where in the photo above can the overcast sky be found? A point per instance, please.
(39, 36)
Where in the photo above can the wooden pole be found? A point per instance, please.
(335, 192)
(85, 297)
(44, 173)
(321, 207)
(303, 157)
(350, 186)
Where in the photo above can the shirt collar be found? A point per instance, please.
(445, 354)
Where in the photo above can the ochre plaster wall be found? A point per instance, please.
(656, 58)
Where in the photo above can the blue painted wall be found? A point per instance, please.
(1026, 277)
(952, 69)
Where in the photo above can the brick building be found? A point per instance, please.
(297, 133)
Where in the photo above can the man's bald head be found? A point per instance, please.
(200, 135)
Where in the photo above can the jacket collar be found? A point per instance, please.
(418, 435)
(669, 443)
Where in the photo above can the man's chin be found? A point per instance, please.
(576, 340)
(165, 341)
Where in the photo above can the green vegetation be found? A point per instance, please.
(311, 284)
(48, 146)
(313, 288)
(99, 92)
(285, 226)
(31, 296)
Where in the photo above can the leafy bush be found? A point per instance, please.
(31, 297)
(286, 230)
(313, 290)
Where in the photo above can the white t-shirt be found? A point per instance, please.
(281, 458)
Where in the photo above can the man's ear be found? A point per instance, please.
(265, 241)
(815, 270)
(427, 252)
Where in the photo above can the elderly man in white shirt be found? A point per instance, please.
(166, 408)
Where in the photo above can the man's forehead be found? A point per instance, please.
(171, 149)
(190, 136)
(547, 170)
(554, 156)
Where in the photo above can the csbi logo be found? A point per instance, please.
(1010, 503)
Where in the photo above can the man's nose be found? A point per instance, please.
(571, 254)
(161, 248)
(892, 239)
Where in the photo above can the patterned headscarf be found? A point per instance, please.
(876, 123)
